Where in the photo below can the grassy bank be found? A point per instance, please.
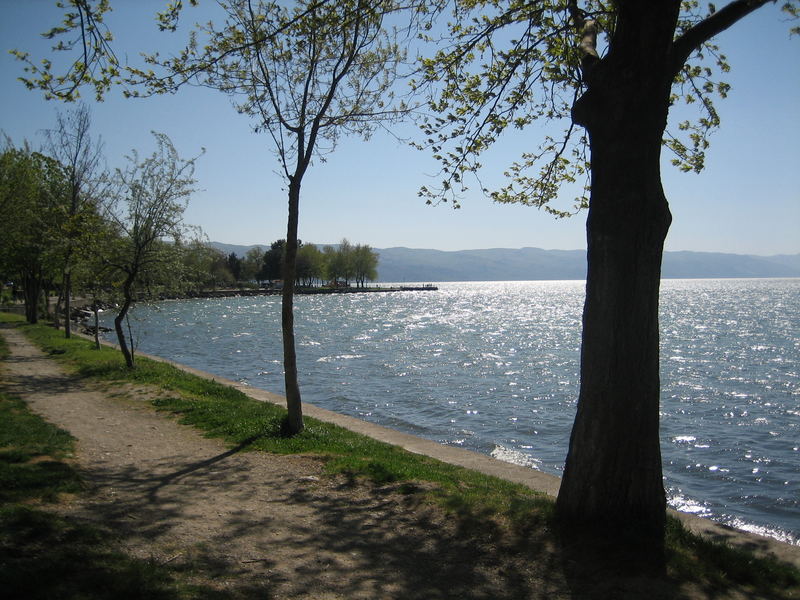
(482, 505)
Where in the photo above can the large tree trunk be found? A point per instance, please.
(612, 477)
(294, 405)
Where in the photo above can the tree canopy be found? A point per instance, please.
(505, 65)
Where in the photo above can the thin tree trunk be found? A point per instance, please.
(67, 304)
(57, 311)
(118, 320)
(45, 300)
(293, 400)
(96, 308)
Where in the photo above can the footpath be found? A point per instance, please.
(252, 524)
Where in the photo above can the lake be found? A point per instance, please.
(493, 367)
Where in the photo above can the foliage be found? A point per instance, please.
(97, 64)
(307, 73)
(346, 262)
(76, 225)
(33, 190)
(251, 264)
(310, 265)
(365, 264)
(146, 205)
(203, 267)
(234, 265)
(272, 262)
(71, 144)
(503, 65)
(147, 201)
(336, 264)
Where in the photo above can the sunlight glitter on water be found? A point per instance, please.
(500, 361)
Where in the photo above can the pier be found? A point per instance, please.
(232, 293)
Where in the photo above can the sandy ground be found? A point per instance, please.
(266, 526)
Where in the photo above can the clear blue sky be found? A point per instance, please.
(747, 201)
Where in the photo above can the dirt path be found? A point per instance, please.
(255, 524)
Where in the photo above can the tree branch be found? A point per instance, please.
(706, 29)
(587, 28)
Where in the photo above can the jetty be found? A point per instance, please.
(242, 292)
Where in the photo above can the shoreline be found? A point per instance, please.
(546, 483)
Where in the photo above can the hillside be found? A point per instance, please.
(523, 264)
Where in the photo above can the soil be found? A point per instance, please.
(257, 525)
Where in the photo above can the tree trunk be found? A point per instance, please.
(118, 320)
(67, 304)
(294, 421)
(57, 311)
(612, 476)
(96, 309)
(33, 288)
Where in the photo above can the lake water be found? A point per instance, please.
(493, 367)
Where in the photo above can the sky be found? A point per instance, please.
(747, 201)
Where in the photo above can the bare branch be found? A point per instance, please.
(709, 27)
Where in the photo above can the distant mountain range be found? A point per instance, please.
(524, 264)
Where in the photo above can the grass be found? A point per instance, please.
(479, 502)
(32, 454)
(40, 551)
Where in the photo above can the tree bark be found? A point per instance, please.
(57, 311)
(33, 288)
(294, 422)
(96, 309)
(612, 476)
(127, 291)
(67, 304)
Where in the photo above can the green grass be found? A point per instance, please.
(718, 565)
(7, 318)
(480, 503)
(31, 456)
